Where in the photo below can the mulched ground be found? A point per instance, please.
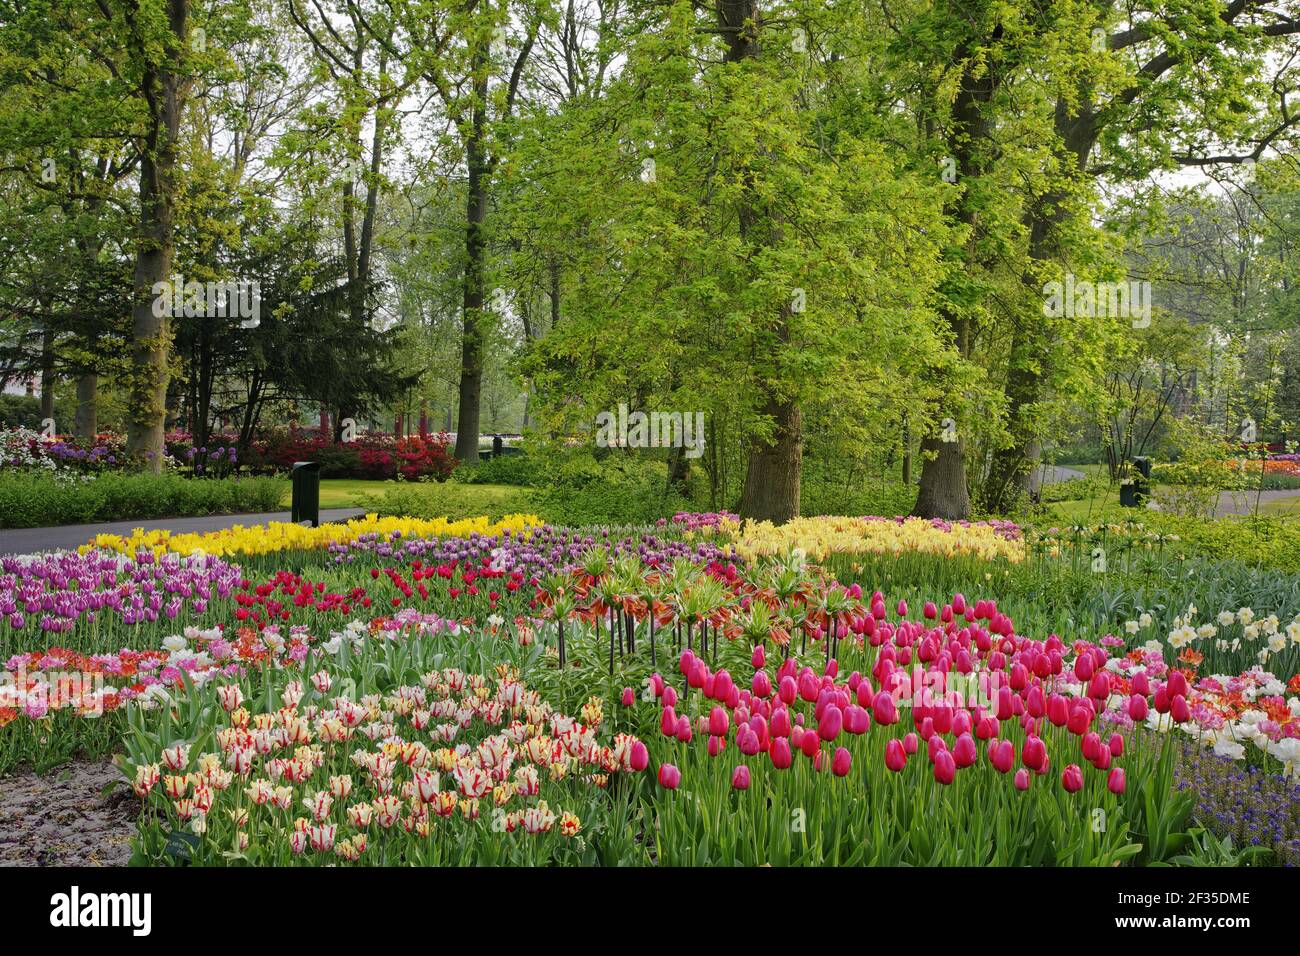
(61, 818)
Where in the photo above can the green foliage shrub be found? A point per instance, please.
(32, 501)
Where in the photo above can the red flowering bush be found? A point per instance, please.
(372, 456)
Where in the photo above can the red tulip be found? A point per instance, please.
(1177, 684)
(1116, 783)
(740, 778)
(1090, 746)
(1081, 715)
(1140, 684)
(1116, 745)
(895, 758)
(1034, 755)
(759, 658)
(841, 762)
(628, 697)
(761, 685)
(1083, 668)
(1072, 779)
(809, 744)
(930, 610)
(911, 744)
(670, 777)
(670, 696)
(1058, 710)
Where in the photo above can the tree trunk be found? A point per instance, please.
(471, 351)
(775, 465)
(47, 375)
(1012, 467)
(162, 88)
(86, 426)
(772, 478)
(943, 492)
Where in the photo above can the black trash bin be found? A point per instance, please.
(1136, 493)
(306, 493)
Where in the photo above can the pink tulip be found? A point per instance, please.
(964, 751)
(719, 724)
(1179, 710)
(684, 732)
(670, 696)
(780, 753)
(856, 720)
(628, 697)
(670, 777)
(1072, 779)
(1116, 745)
(911, 744)
(759, 658)
(945, 768)
(1116, 783)
(1137, 707)
(841, 762)
(740, 778)
(787, 690)
(895, 758)
(639, 758)
(761, 685)
(884, 710)
(828, 728)
(716, 745)
(781, 723)
(1176, 685)
(1022, 779)
(1002, 754)
(668, 722)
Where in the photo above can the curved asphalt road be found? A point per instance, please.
(28, 540)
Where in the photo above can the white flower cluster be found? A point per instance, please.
(1185, 631)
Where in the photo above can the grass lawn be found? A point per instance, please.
(456, 498)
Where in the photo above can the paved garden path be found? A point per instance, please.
(1243, 503)
(28, 540)
(1054, 474)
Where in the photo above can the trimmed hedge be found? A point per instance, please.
(34, 501)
